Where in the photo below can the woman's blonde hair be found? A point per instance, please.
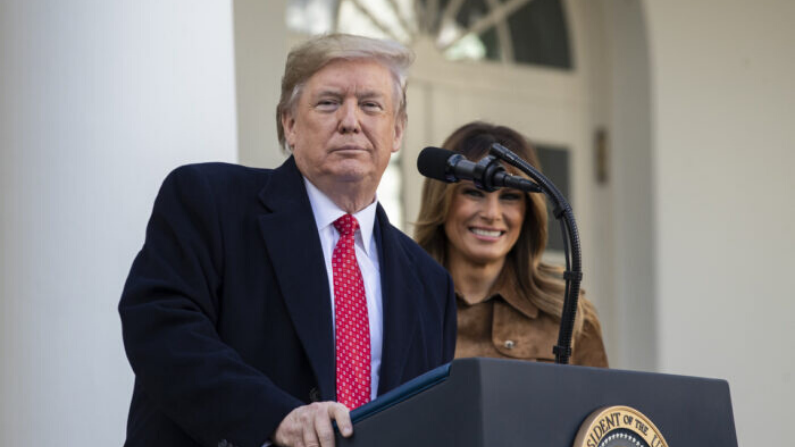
(540, 283)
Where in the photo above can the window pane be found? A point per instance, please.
(376, 18)
(353, 20)
(539, 34)
(311, 16)
(492, 43)
(472, 11)
(537, 29)
(555, 165)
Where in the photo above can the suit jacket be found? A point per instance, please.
(226, 314)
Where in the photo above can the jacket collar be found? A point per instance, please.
(507, 287)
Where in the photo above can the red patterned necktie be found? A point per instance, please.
(352, 327)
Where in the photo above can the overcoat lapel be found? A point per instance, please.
(399, 293)
(296, 256)
(293, 245)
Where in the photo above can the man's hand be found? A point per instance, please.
(310, 425)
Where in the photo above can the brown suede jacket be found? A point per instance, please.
(507, 325)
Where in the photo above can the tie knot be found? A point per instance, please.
(346, 225)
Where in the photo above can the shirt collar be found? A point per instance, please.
(326, 212)
(507, 287)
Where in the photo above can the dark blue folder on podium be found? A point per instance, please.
(504, 403)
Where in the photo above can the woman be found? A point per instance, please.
(509, 301)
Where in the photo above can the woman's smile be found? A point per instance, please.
(482, 227)
(486, 233)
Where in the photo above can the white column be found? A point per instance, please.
(634, 332)
(98, 101)
(260, 50)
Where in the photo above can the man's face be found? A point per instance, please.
(344, 128)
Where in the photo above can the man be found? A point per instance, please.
(262, 297)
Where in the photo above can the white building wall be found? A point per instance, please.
(723, 113)
(260, 51)
(98, 101)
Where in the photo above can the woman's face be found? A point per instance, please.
(482, 227)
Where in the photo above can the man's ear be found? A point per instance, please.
(288, 125)
(400, 127)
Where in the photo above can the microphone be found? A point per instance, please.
(488, 174)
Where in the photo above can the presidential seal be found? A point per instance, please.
(618, 426)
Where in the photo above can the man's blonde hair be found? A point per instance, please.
(311, 56)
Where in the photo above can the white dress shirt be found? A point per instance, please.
(326, 212)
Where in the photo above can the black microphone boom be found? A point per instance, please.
(571, 249)
(488, 174)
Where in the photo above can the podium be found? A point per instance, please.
(505, 403)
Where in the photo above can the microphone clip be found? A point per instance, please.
(486, 170)
(482, 173)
